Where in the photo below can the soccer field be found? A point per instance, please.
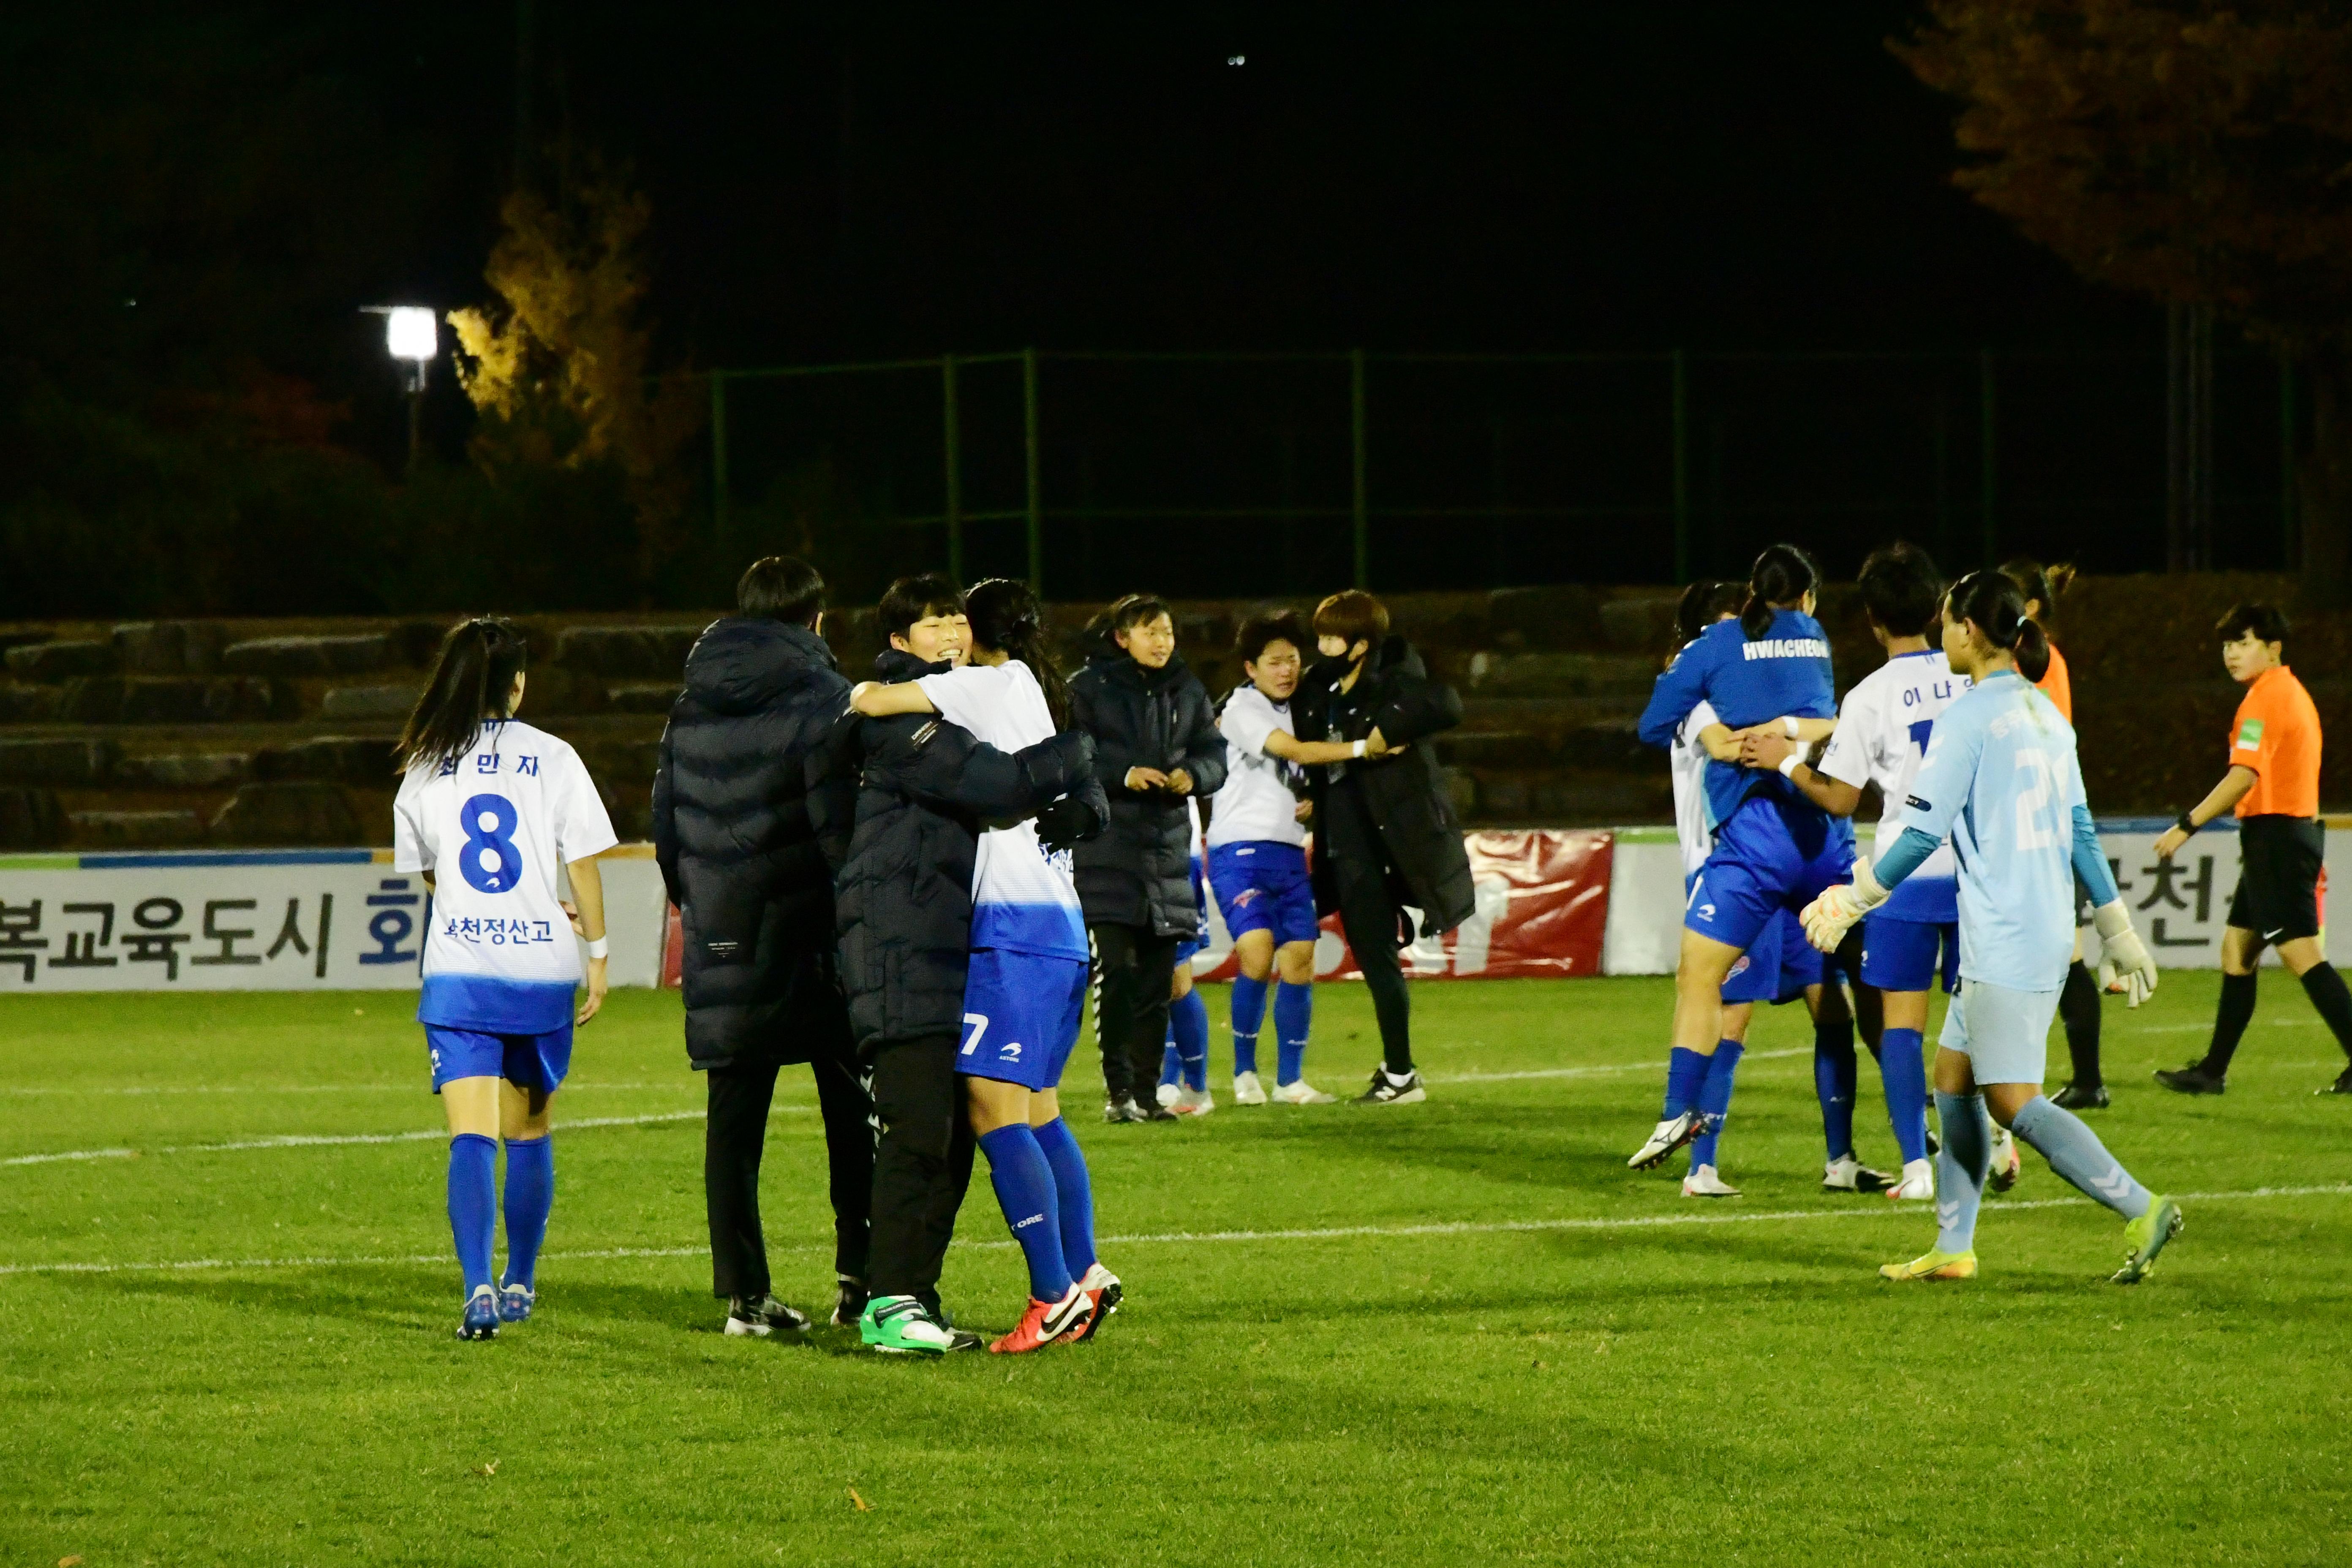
(1454, 1332)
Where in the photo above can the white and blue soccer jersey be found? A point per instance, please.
(1884, 727)
(1256, 803)
(2000, 781)
(494, 826)
(1784, 673)
(1687, 766)
(1022, 899)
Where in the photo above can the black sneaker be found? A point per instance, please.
(760, 1316)
(1387, 1090)
(1116, 1111)
(2190, 1080)
(2074, 1097)
(1935, 1145)
(2343, 1084)
(850, 1304)
(1138, 1111)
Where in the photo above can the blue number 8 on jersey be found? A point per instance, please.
(490, 860)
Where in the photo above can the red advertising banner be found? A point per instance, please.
(1542, 908)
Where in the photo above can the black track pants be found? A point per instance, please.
(1134, 968)
(1373, 922)
(733, 1139)
(922, 1163)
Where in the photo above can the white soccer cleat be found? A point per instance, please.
(1702, 1183)
(1168, 1094)
(2008, 1165)
(1918, 1181)
(1194, 1102)
(1299, 1091)
(1847, 1175)
(1248, 1091)
(1666, 1138)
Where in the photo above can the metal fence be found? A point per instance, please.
(1290, 472)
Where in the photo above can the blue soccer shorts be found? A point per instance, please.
(1021, 1014)
(1769, 856)
(1778, 967)
(2005, 1034)
(1900, 956)
(1263, 885)
(532, 1061)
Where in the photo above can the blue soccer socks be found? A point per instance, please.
(2075, 1152)
(1715, 1099)
(1293, 1019)
(1023, 1180)
(530, 1195)
(1073, 1191)
(1686, 1075)
(1834, 1078)
(1961, 1166)
(474, 1205)
(1188, 1027)
(1904, 1072)
(1249, 1017)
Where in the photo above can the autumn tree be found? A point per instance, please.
(2191, 154)
(559, 366)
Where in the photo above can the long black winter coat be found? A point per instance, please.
(738, 853)
(898, 804)
(1428, 868)
(1140, 872)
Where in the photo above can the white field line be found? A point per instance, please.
(570, 1088)
(1907, 1212)
(328, 1140)
(1588, 1072)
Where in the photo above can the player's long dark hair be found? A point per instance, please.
(1997, 604)
(1704, 602)
(1007, 618)
(471, 677)
(2041, 585)
(1782, 575)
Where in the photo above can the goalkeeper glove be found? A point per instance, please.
(2124, 949)
(1828, 918)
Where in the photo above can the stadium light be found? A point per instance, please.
(412, 335)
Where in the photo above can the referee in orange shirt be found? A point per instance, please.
(2273, 782)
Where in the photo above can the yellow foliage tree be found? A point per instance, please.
(559, 367)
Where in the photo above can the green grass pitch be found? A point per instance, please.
(1458, 1332)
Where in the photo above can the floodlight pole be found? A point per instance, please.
(417, 419)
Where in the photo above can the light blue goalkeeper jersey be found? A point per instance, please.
(2002, 778)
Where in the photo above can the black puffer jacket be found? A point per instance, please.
(732, 830)
(898, 804)
(1140, 872)
(1428, 868)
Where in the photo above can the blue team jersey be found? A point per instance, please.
(2000, 778)
(1786, 672)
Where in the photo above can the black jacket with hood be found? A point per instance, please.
(738, 852)
(1428, 868)
(898, 804)
(1140, 873)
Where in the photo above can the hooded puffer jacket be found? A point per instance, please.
(1140, 872)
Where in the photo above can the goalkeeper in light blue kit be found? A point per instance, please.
(2002, 778)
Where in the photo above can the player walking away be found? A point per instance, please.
(1257, 855)
(1025, 988)
(1382, 822)
(488, 808)
(1884, 726)
(2002, 781)
(2078, 1000)
(1773, 849)
(1184, 1065)
(2274, 785)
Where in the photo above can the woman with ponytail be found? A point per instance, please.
(488, 808)
(1773, 848)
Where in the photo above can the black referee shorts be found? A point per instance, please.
(2278, 877)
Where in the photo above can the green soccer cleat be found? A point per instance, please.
(1931, 1265)
(898, 1325)
(2148, 1235)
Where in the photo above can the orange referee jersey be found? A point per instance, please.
(2057, 685)
(2276, 734)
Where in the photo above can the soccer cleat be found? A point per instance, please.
(481, 1318)
(1931, 1265)
(1847, 1175)
(1118, 1110)
(1666, 1138)
(899, 1325)
(1168, 1094)
(1917, 1181)
(2343, 1084)
(1248, 1091)
(1935, 1145)
(1702, 1183)
(1104, 1291)
(2191, 1080)
(960, 1339)
(760, 1316)
(1387, 1090)
(1138, 1111)
(1194, 1102)
(2008, 1165)
(2076, 1097)
(1047, 1321)
(515, 1303)
(849, 1304)
(1299, 1091)
(2148, 1235)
